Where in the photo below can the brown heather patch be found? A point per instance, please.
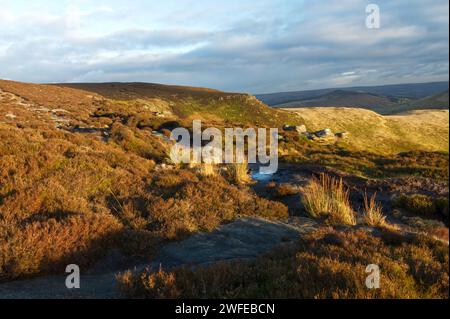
(325, 264)
(190, 205)
(49, 245)
(71, 197)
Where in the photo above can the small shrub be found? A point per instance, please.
(417, 204)
(328, 198)
(424, 206)
(271, 185)
(153, 284)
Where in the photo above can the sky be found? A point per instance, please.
(254, 46)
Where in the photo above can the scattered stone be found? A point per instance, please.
(10, 116)
(342, 135)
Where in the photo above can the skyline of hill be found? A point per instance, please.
(386, 99)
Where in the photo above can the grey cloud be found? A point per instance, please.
(271, 53)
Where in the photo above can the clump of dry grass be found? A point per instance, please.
(207, 170)
(373, 215)
(328, 198)
(238, 173)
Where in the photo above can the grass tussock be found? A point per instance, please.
(239, 173)
(373, 212)
(207, 170)
(327, 198)
(325, 264)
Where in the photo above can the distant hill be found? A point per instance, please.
(137, 90)
(410, 91)
(343, 98)
(437, 101)
(385, 99)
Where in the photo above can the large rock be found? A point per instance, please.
(324, 133)
(301, 129)
(244, 238)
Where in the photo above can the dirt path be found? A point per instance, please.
(244, 238)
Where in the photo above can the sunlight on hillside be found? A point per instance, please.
(426, 130)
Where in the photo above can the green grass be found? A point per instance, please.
(237, 109)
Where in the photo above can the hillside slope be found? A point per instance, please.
(175, 102)
(434, 102)
(437, 101)
(190, 102)
(426, 130)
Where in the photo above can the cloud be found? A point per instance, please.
(256, 46)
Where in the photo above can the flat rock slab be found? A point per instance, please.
(244, 238)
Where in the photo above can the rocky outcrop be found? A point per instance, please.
(325, 135)
(299, 128)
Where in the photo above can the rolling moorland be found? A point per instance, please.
(85, 178)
